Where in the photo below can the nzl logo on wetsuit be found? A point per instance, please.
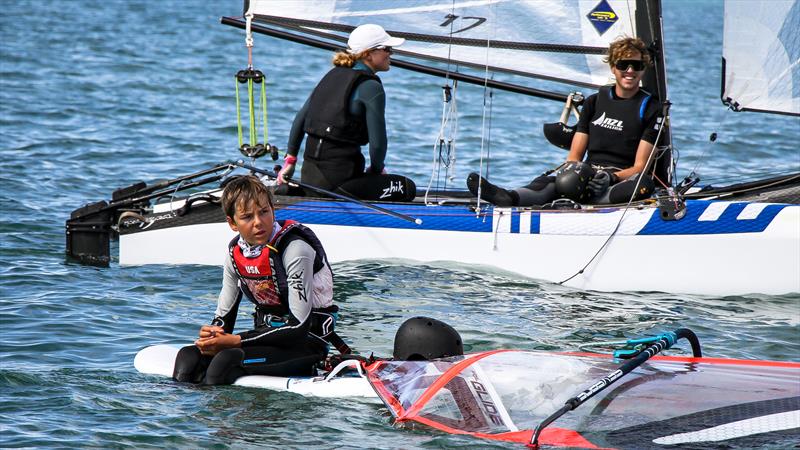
(607, 122)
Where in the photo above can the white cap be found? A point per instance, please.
(368, 36)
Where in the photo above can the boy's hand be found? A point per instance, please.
(207, 331)
(217, 342)
(213, 339)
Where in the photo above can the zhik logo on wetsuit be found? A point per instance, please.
(607, 122)
(394, 186)
(296, 282)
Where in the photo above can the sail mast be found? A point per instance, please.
(649, 28)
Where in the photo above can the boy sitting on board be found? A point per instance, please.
(281, 267)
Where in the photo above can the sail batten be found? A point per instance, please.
(428, 70)
(309, 26)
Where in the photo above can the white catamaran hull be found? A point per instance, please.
(719, 248)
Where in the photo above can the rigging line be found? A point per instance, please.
(779, 182)
(627, 206)
(722, 117)
(631, 17)
(446, 96)
(248, 39)
(451, 95)
(489, 135)
(483, 111)
(172, 197)
(434, 159)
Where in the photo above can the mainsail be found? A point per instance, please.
(761, 56)
(559, 40)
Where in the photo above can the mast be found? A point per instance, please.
(649, 28)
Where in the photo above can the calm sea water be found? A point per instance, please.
(96, 95)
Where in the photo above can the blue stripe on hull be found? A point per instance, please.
(444, 217)
(536, 223)
(727, 223)
(461, 218)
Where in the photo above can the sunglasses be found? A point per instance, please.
(385, 48)
(636, 64)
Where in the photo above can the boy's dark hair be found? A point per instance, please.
(242, 190)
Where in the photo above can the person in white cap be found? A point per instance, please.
(344, 112)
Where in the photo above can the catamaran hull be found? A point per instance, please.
(718, 248)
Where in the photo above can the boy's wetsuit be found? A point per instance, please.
(292, 288)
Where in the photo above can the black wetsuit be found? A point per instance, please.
(344, 112)
(289, 319)
(615, 126)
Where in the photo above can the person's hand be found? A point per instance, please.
(214, 339)
(207, 331)
(286, 172)
(567, 166)
(599, 183)
(383, 171)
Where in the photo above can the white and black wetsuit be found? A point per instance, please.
(291, 286)
(615, 126)
(344, 112)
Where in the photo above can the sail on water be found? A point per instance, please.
(670, 402)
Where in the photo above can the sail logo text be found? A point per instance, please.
(450, 18)
(607, 122)
(602, 17)
(486, 401)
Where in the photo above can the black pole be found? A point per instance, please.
(293, 183)
(470, 79)
(663, 342)
(649, 28)
(152, 188)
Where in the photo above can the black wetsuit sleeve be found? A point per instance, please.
(651, 121)
(298, 259)
(587, 112)
(371, 96)
(296, 133)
